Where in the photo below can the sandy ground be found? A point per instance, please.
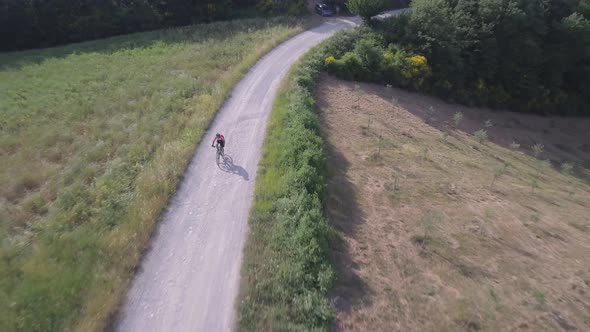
(188, 280)
(428, 243)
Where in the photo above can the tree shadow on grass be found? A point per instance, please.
(565, 139)
(344, 214)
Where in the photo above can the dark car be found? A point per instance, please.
(323, 10)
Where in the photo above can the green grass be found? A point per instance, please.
(94, 138)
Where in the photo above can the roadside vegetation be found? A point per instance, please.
(286, 272)
(453, 218)
(94, 138)
(529, 56)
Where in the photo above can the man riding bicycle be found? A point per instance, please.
(220, 140)
(220, 144)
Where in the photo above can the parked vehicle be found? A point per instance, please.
(323, 9)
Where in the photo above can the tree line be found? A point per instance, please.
(42, 23)
(527, 55)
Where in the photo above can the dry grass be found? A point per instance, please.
(440, 232)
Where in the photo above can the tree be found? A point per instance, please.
(435, 34)
(366, 8)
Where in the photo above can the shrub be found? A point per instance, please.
(498, 172)
(538, 149)
(457, 118)
(365, 8)
(546, 163)
(393, 61)
(330, 60)
(416, 70)
(395, 29)
(481, 135)
(369, 56)
(349, 67)
(296, 8)
(344, 42)
(567, 168)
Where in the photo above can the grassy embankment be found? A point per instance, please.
(94, 139)
(454, 218)
(287, 272)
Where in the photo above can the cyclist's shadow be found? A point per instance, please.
(227, 165)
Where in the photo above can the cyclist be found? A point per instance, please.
(220, 140)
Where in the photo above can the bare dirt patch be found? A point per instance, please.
(442, 232)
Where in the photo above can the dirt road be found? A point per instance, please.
(188, 280)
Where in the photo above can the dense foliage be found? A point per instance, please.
(41, 23)
(528, 55)
(366, 59)
(285, 7)
(365, 8)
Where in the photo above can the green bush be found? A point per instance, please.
(395, 30)
(365, 8)
(296, 8)
(348, 67)
(368, 61)
(394, 60)
(370, 57)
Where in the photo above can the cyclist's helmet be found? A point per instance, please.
(217, 135)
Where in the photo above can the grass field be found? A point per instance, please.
(454, 218)
(94, 139)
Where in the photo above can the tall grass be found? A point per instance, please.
(94, 139)
(287, 271)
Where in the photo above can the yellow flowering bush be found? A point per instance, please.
(417, 68)
(330, 60)
(418, 60)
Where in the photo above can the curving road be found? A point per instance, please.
(188, 280)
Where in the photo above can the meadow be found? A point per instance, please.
(454, 218)
(94, 138)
